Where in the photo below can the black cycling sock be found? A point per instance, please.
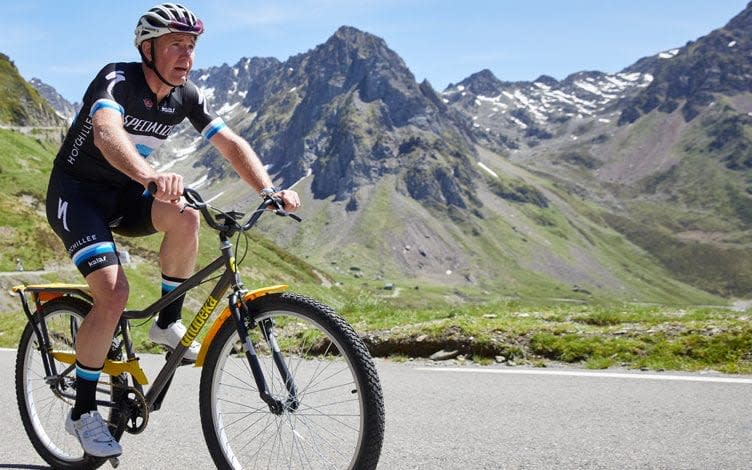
(171, 313)
(86, 390)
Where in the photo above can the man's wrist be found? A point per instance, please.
(269, 191)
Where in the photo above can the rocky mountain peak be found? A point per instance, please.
(352, 59)
(359, 105)
(482, 83)
(347, 112)
(353, 38)
(511, 115)
(63, 107)
(687, 77)
(547, 80)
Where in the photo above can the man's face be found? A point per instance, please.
(174, 56)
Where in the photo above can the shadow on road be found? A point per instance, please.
(21, 466)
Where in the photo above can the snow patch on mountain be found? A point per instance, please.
(533, 110)
(488, 170)
(668, 54)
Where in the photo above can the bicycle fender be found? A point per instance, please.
(249, 297)
(47, 292)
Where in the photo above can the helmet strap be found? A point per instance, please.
(152, 64)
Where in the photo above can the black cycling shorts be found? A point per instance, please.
(84, 214)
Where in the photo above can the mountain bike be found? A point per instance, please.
(285, 381)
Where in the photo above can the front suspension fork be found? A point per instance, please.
(240, 314)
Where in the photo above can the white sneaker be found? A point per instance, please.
(93, 434)
(171, 337)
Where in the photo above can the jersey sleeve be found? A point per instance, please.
(201, 116)
(105, 92)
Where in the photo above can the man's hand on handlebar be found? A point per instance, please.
(169, 187)
(290, 199)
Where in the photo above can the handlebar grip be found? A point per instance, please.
(152, 188)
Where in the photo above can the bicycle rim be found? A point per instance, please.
(44, 410)
(327, 428)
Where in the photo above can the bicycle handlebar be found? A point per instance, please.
(193, 199)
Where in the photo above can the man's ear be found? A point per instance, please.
(146, 50)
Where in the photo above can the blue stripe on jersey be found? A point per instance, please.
(211, 129)
(105, 103)
(144, 150)
(93, 250)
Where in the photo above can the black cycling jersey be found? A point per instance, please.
(87, 197)
(123, 87)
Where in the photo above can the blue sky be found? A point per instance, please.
(66, 42)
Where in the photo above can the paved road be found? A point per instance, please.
(441, 417)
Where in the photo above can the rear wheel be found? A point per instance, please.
(335, 419)
(44, 401)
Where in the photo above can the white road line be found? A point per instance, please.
(605, 375)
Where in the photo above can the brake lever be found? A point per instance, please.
(284, 213)
(189, 200)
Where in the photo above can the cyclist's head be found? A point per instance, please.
(161, 20)
(165, 19)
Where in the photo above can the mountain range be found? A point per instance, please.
(635, 185)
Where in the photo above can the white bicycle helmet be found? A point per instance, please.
(164, 19)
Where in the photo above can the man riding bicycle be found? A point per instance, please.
(97, 188)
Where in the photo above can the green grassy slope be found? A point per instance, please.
(20, 103)
(25, 163)
(696, 216)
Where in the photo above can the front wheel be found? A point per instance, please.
(337, 419)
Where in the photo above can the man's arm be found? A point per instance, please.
(112, 140)
(247, 164)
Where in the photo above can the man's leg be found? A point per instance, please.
(75, 212)
(109, 288)
(177, 257)
(179, 249)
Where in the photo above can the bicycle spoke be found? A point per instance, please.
(317, 449)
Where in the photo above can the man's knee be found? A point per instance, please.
(187, 223)
(193, 219)
(110, 293)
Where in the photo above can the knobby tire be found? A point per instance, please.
(339, 420)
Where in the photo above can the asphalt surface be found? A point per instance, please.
(441, 416)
